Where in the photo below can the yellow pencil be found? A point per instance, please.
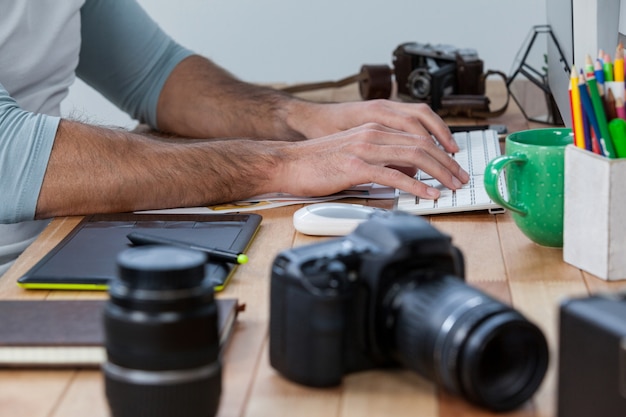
(577, 117)
(618, 64)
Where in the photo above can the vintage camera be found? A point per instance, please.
(428, 73)
(161, 336)
(592, 356)
(391, 294)
(431, 74)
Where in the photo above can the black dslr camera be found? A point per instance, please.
(441, 75)
(592, 357)
(392, 294)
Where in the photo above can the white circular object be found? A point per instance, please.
(331, 219)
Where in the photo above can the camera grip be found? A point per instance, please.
(492, 174)
(306, 335)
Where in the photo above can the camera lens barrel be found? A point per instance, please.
(468, 342)
(503, 361)
(161, 335)
(375, 81)
(419, 83)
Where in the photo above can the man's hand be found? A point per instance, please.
(316, 120)
(365, 154)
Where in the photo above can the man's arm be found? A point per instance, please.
(200, 99)
(93, 169)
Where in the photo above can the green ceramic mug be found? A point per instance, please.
(533, 166)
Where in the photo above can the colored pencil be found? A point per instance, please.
(618, 64)
(588, 134)
(585, 100)
(598, 108)
(618, 133)
(607, 67)
(599, 75)
(609, 105)
(619, 108)
(577, 118)
(589, 67)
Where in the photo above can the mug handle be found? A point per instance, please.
(492, 175)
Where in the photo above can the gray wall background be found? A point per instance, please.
(304, 41)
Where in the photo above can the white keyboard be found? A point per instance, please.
(477, 148)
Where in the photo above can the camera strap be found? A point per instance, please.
(375, 82)
(299, 88)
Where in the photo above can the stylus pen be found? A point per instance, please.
(138, 238)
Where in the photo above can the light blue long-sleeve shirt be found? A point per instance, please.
(113, 45)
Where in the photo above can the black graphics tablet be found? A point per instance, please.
(86, 258)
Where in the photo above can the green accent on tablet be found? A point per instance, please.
(86, 259)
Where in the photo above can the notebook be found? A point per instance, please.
(86, 258)
(70, 333)
(476, 149)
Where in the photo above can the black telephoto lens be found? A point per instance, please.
(467, 342)
(161, 336)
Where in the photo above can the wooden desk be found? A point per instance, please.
(499, 259)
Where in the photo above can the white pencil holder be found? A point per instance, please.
(594, 225)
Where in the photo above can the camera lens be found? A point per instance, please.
(465, 341)
(161, 336)
(419, 83)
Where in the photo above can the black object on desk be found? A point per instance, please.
(216, 254)
(86, 258)
(500, 129)
(69, 333)
(592, 356)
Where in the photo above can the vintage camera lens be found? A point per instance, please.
(466, 341)
(419, 83)
(161, 336)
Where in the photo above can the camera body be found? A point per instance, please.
(392, 294)
(428, 73)
(592, 356)
(324, 297)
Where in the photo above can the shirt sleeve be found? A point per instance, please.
(126, 56)
(25, 144)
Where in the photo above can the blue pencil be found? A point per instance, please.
(599, 75)
(585, 100)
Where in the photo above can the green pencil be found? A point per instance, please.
(598, 109)
(617, 127)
